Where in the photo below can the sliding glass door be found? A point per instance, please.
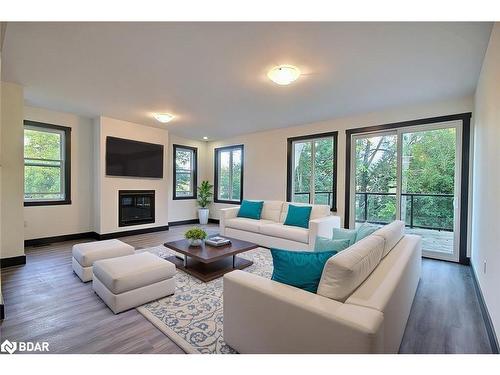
(411, 174)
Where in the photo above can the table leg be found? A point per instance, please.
(234, 260)
(185, 261)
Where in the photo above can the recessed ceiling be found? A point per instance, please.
(213, 75)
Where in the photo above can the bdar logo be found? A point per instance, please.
(9, 347)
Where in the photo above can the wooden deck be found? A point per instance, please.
(434, 240)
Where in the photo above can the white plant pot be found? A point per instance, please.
(194, 242)
(203, 215)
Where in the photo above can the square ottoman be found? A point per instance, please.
(85, 254)
(133, 280)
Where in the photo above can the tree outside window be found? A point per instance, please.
(229, 174)
(46, 164)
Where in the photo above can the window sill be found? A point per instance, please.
(47, 203)
(185, 198)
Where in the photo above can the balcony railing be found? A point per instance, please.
(304, 197)
(420, 210)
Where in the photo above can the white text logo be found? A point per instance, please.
(24, 346)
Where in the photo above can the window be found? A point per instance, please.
(185, 175)
(47, 164)
(312, 169)
(229, 174)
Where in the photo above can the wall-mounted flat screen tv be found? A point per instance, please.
(125, 157)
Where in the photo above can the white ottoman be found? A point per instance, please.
(85, 254)
(133, 280)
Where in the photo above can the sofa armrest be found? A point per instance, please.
(323, 227)
(226, 214)
(264, 316)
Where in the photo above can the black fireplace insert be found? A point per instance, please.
(136, 207)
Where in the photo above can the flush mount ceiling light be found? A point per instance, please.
(205, 138)
(284, 74)
(163, 117)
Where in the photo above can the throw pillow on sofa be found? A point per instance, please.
(326, 244)
(365, 230)
(251, 209)
(301, 269)
(298, 216)
(345, 234)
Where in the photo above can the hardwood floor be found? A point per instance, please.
(45, 301)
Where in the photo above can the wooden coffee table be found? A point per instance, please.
(208, 262)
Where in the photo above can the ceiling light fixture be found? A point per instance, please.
(284, 74)
(205, 138)
(163, 117)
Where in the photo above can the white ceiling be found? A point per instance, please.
(212, 76)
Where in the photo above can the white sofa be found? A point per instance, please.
(270, 231)
(362, 304)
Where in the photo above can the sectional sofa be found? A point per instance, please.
(361, 306)
(270, 231)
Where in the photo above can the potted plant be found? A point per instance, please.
(204, 199)
(195, 236)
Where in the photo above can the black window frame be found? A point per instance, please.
(67, 164)
(217, 152)
(194, 172)
(289, 164)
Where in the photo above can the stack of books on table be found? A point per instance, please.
(217, 241)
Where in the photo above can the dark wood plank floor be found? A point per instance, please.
(45, 301)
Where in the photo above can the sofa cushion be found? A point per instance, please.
(87, 253)
(298, 216)
(301, 269)
(346, 271)
(249, 225)
(392, 234)
(287, 232)
(344, 234)
(318, 210)
(326, 244)
(365, 230)
(272, 210)
(132, 271)
(251, 209)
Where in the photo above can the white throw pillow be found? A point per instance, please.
(271, 210)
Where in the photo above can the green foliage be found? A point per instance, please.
(205, 194)
(43, 165)
(428, 167)
(230, 175)
(183, 176)
(195, 233)
(323, 170)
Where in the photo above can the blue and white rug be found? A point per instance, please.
(192, 317)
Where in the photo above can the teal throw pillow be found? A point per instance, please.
(251, 209)
(298, 216)
(365, 230)
(345, 234)
(301, 269)
(326, 244)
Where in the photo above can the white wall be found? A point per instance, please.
(486, 180)
(185, 209)
(12, 148)
(265, 152)
(47, 221)
(107, 187)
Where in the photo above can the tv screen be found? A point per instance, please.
(129, 158)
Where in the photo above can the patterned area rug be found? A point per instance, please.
(192, 317)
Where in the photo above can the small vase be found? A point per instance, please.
(193, 242)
